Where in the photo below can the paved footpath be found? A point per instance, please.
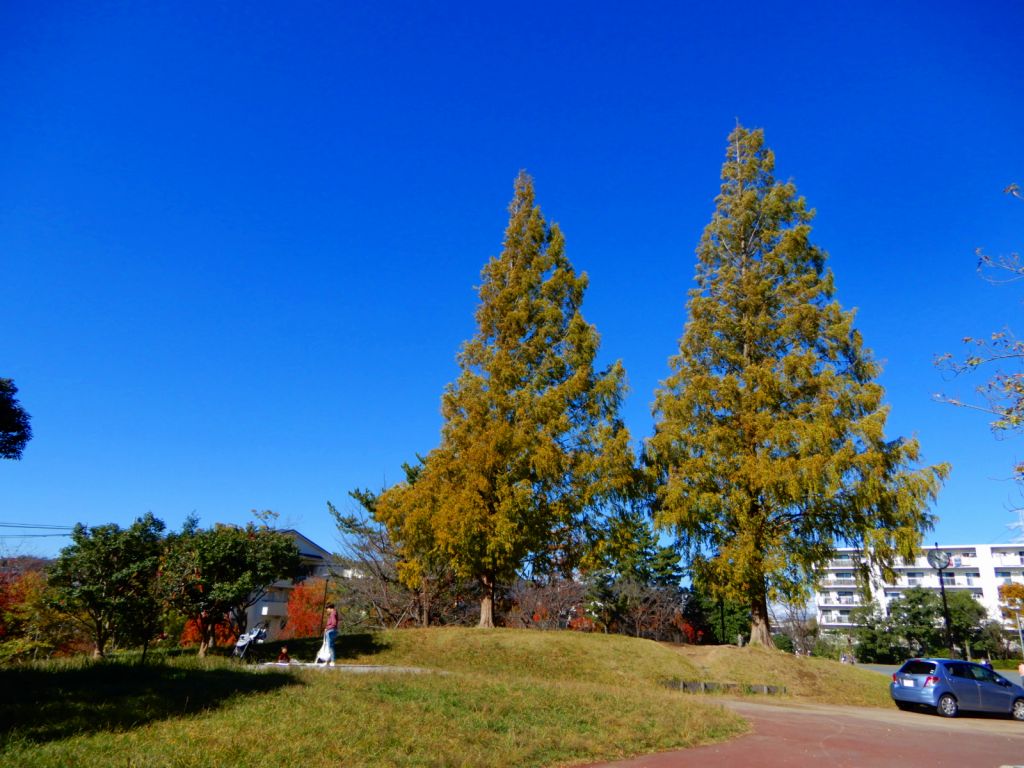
(801, 736)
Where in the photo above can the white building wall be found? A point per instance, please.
(978, 569)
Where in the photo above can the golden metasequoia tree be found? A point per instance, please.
(532, 443)
(769, 448)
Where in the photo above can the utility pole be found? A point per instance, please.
(323, 606)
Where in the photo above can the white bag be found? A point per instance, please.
(324, 654)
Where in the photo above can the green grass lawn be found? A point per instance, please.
(492, 698)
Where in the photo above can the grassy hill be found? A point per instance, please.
(492, 698)
(806, 679)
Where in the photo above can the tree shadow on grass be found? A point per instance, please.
(40, 705)
(355, 645)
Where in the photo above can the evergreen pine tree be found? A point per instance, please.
(769, 447)
(532, 441)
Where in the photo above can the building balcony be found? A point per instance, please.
(963, 562)
(963, 585)
(1001, 560)
(824, 600)
(844, 583)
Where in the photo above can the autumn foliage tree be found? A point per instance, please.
(769, 448)
(305, 609)
(195, 633)
(1011, 603)
(532, 441)
(29, 627)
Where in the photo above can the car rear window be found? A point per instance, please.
(917, 667)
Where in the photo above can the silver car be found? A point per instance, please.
(949, 685)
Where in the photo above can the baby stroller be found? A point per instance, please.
(255, 635)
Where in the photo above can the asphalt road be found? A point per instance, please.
(801, 736)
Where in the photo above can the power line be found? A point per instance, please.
(32, 535)
(37, 526)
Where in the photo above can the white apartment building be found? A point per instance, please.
(978, 569)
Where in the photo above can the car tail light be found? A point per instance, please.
(895, 677)
(931, 680)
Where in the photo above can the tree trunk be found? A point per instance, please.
(241, 619)
(208, 637)
(760, 624)
(424, 603)
(487, 602)
(102, 638)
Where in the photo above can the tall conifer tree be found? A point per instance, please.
(769, 447)
(532, 441)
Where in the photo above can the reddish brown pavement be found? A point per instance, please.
(801, 736)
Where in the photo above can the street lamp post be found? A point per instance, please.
(1020, 636)
(940, 561)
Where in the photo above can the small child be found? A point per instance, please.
(283, 657)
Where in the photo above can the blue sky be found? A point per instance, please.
(239, 243)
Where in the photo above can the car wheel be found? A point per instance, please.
(1018, 709)
(947, 706)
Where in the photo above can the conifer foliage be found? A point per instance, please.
(15, 426)
(769, 448)
(532, 441)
